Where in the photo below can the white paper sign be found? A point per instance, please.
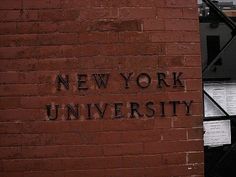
(224, 94)
(217, 133)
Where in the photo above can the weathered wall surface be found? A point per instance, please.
(100, 88)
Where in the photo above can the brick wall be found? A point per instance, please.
(117, 130)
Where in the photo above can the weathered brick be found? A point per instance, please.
(182, 24)
(137, 13)
(172, 146)
(8, 28)
(58, 15)
(98, 13)
(183, 49)
(169, 13)
(41, 40)
(181, 3)
(124, 25)
(195, 157)
(11, 4)
(18, 15)
(190, 13)
(153, 25)
(44, 4)
(123, 149)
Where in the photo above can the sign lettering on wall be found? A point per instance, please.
(146, 108)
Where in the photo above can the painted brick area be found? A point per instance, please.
(118, 129)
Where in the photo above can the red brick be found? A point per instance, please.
(70, 26)
(124, 172)
(10, 152)
(181, 3)
(11, 4)
(9, 102)
(193, 95)
(88, 50)
(98, 37)
(8, 28)
(98, 13)
(19, 115)
(132, 49)
(58, 15)
(182, 25)
(52, 64)
(123, 149)
(10, 140)
(26, 165)
(58, 39)
(58, 127)
(169, 13)
(122, 125)
(166, 36)
(61, 151)
(36, 27)
(93, 163)
(75, 3)
(8, 128)
(195, 133)
(18, 90)
(163, 123)
(27, 27)
(112, 25)
(194, 121)
(40, 39)
(129, 37)
(194, 84)
(43, 174)
(18, 78)
(184, 49)
(153, 24)
(195, 157)
(172, 146)
(137, 13)
(140, 136)
(12, 174)
(89, 138)
(179, 170)
(174, 158)
(173, 134)
(189, 72)
(131, 3)
(47, 27)
(48, 52)
(43, 4)
(15, 52)
(191, 36)
(18, 40)
(94, 173)
(192, 61)
(191, 13)
(18, 65)
(129, 172)
(142, 161)
(151, 49)
(18, 15)
(13, 15)
(173, 61)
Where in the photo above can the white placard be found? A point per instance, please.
(224, 94)
(217, 133)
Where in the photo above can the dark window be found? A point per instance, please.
(213, 49)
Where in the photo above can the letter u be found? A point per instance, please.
(52, 116)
